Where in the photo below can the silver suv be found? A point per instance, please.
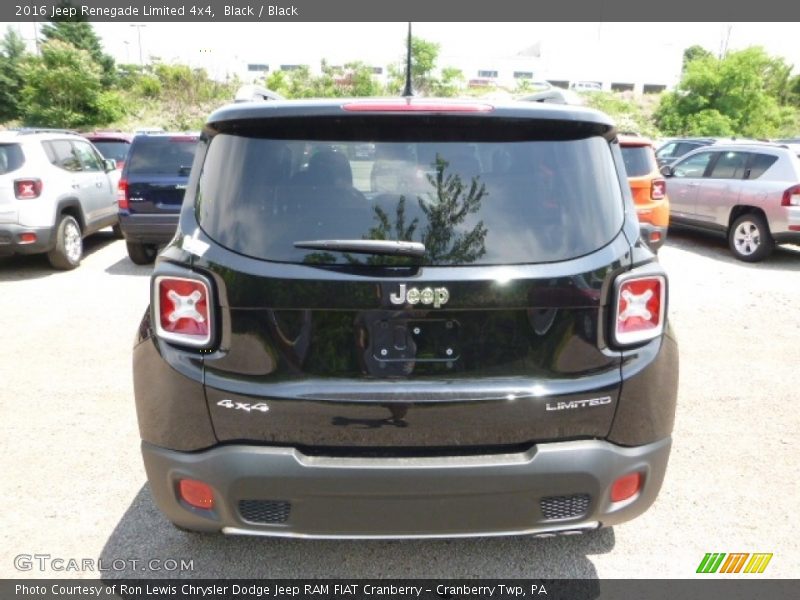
(55, 189)
(748, 192)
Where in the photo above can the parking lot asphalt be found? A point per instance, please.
(74, 486)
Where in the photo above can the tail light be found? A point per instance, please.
(122, 194)
(791, 197)
(183, 310)
(196, 493)
(406, 105)
(658, 189)
(640, 308)
(626, 487)
(27, 189)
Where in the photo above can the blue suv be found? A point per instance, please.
(151, 191)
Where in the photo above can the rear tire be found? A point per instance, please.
(142, 254)
(749, 238)
(68, 250)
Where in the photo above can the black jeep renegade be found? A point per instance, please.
(456, 333)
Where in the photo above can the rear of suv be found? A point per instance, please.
(55, 189)
(468, 340)
(647, 187)
(111, 144)
(151, 191)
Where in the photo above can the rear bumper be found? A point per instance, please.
(147, 228)
(10, 241)
(653, 235)
(553, 487)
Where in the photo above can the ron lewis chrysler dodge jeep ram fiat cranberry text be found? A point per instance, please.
(458, 333)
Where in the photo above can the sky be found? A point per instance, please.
(577, 50)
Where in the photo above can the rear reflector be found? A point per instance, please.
(658, 189)
(640, 305)
(626, 487)
(122, 194)
(791, 197)
(27, 238)
(196, 493)
(182, 310)
(794, 227)
(403, 105)
(27, 189)
(655, 236)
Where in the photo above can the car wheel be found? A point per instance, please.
(142, 254)
(117, 231)
(749, 238)
(68, 250)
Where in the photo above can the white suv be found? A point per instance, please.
(55, 189)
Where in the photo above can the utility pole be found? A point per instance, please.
(139, 32)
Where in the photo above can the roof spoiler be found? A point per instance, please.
(250, 93)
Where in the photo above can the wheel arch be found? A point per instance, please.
(71, 206)
(744, 209)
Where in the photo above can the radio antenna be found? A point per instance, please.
(408, 92)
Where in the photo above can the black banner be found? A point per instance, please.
(749, 588)
(414, 10)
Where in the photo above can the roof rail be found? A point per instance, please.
(30, 130)
(249, 93)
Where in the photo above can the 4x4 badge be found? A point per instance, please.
(436, 296)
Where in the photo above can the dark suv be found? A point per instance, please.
(151, 190)
(468, 340)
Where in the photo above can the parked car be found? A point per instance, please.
(55, 189)
(748, 192)
(676, 148)
(151, 191)
(585, 86)
(648, 188)
(478, 348)
(111, 144)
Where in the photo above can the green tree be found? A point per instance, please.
(740, 94)
(424, 57)
(360, 81)
(12, 55)
(450, 83)
(64, 88)
(81, 34)
(352, 80)
(694, 52)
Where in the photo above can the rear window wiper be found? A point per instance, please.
(391, 247)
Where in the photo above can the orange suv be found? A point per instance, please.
(648, 188)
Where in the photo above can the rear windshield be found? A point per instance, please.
(639, 160)
(11, 158)
(468, 202)
(162, 155)
(112, 149)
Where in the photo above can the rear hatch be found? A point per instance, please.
(492, 336)
(640, 165)
(156, 172)
(11, 160)
(112, 148)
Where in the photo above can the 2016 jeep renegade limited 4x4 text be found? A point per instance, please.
(456, 333)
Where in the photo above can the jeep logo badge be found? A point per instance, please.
(436, 296)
